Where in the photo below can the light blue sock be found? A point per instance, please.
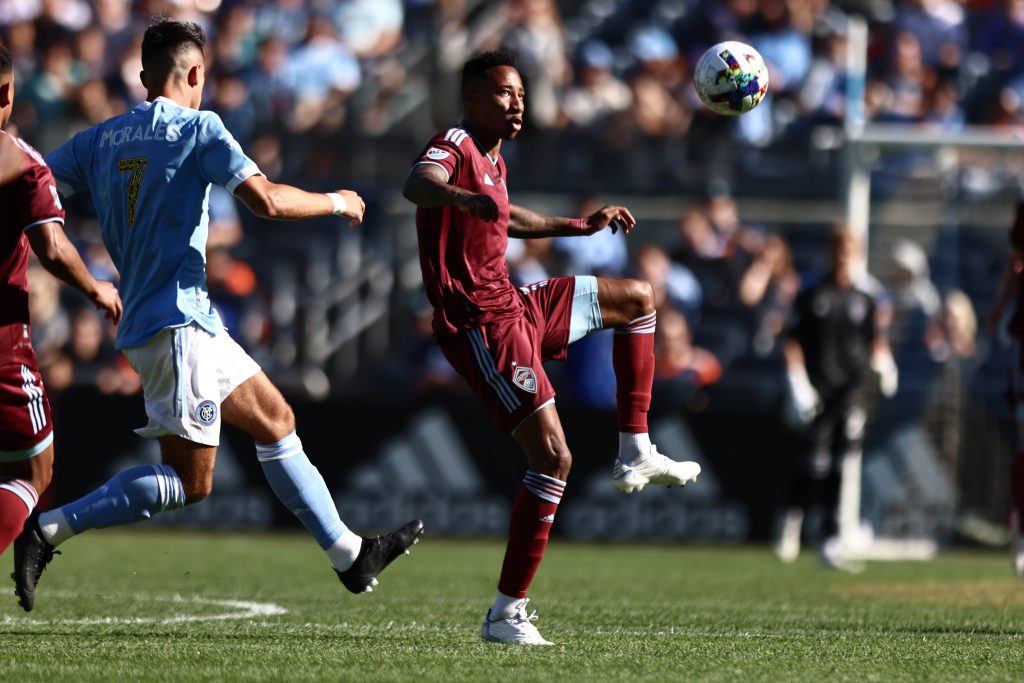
(301, 488)
(131, 495)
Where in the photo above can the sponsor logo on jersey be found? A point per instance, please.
(206, 413)
(436, 153)
(525, 379)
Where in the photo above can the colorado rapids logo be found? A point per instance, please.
(525, 379)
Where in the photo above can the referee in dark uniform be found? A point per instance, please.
(828, 353)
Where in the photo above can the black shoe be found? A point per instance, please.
(376, 554)
(31, 555)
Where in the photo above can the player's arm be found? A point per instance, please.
(60, 258)
(282, 202)
(427, 187)
(527, 224)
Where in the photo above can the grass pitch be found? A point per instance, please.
(156, 606)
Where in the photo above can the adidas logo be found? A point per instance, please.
(424, 470)
(547, 518)
(488, 181)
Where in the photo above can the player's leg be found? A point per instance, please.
(548, 458)
(627, 306)
(258, 408)
(847, 438)
(21, 484)
(131, 495)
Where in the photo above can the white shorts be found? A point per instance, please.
(186, 373)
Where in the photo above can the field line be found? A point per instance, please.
(236, 609)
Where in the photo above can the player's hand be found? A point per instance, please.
(355, 207)
(801, 403)
(479, 206)
(107, 299)
(618, 217)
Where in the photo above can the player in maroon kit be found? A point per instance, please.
(497, 336)
(32, 217)
(1012, 286)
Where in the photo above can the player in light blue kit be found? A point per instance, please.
(150, 171)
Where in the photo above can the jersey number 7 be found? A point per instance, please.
(136, 166)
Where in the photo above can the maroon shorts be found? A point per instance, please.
(501, 360)
(25, 425)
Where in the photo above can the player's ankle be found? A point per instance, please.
(634, 447)
(504, 605)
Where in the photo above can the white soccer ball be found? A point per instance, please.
(731, 78)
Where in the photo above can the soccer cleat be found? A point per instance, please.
(1018, 556)
(376, 554)
(654, 469)
(516, 629)
(31, 555)
(833, 557)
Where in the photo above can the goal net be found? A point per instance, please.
(934, 208)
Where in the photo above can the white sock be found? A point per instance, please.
(345, 550)
(634, 447)
(504, 605)
(54, 527)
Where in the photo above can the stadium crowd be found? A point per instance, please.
(308, 87)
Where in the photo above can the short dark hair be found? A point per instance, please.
(164, 42)
(476, 69)
(6, 63)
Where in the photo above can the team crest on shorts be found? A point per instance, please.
(206, 413)
(525, 379)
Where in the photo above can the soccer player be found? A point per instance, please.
(829, 349)
(497, 336)
(32, 217)
(1010, 288)
(149, 171)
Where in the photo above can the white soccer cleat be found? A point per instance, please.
(1018, 556)
(517, 629)
(654, 469)
(833, 556)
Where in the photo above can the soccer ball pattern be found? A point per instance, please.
(731, 78)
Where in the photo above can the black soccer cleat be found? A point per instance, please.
(31, 555)
(376, 554)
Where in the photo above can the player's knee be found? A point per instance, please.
(197, 489)
(554, 461)
(641, 298)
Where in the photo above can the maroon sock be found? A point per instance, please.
(633, 360)
(532, 516)
(1017, 477)
(16, 495)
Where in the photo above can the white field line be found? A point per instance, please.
(237, 609)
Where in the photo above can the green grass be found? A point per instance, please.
(119, 606)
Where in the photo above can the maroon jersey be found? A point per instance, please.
(462, 257)
(30, 199)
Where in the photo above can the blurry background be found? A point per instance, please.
(734, 215)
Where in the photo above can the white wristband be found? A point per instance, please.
(340, 206)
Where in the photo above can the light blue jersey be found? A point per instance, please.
(149, 172)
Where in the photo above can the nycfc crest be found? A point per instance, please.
(525, 379)
(206, 413)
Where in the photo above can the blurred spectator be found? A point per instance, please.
(677, 359)
(536, 37)
(369, 28)
(597, 94)
(674, 285)
(321, 75)
(953, 333)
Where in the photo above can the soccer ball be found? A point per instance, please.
(731, 78)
